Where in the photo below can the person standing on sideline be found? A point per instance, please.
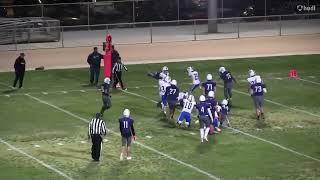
(96, 130)
(127, 133)
(19, 68)
(105, 89)
(94, 60)
(117, 74)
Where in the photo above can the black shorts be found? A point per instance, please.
(204, 121)
(106, 101)
(126, 141)
(172, 103)
(257, 101)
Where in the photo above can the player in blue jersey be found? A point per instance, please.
(127, 134)
(204, 114)
(185, 114)
(172, 94)
(213, 107)
(105, 95)
(224, 111)
(228, 80)
(257, 91)
(209, 85)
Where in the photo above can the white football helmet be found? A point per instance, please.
(189, 69)
(202, 98)
(251, 73)
(211, 94)
(106, 80)
(258, 79)
(167, 79)
(174, 82)
(224, 102)
(165, 68)
(126, 113)
(222, 69)
(209, 77)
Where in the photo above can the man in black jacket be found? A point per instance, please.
(94, 60)
(19, 68)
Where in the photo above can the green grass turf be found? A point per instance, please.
(25, 122)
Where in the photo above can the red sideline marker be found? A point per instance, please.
(107, 56)
(293, 73)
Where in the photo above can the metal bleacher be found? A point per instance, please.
(30, 29)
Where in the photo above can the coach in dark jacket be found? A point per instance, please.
(94, 60)
(19, 68)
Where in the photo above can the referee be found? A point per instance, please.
(96, 130)
(117, 73)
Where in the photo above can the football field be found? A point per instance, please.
(43, 131)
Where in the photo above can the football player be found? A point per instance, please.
(127, 134)
(185, 114)
(105, 90)
(252, 77)
(159, 74)
(209, 85)
(224, 111)
(172, 93)
(228, 80)
(195, 78)
(257, 91)
(213, 107)
(163, 84)
(204, 115)
(164, 73)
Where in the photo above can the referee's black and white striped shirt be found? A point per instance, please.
(118, 67)
(97, 126)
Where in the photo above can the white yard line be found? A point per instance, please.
(6, 85)
(34, 158)
(244, 133)
(64, 91)
(139, 143)
(313, 82)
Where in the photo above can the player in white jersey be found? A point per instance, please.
(195, 78)
(164, 73)
(163, 84)
(252, 78)
(185, 114)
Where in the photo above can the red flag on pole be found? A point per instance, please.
(108, 56)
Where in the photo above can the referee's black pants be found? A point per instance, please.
(19, 76)
(96, 146)
(117, 78)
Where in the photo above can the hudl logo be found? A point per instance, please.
(306, 8)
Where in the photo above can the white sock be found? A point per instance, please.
(206, 133)
(201, 133)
